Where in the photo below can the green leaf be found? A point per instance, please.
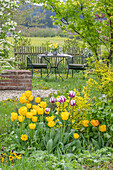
(111, 128)
(49, 145)
(106, 135)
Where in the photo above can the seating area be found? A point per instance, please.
(73, 63)
(76, 63)
(39, 65)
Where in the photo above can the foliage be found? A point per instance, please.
(92, 22)
(86, 160)
(21, 41)
(71, 43)
(105, 76)
(29, 15)
(7, 26)
(7, 63)
(41, 32)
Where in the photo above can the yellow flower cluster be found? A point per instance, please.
(12, 157)
(54, 47)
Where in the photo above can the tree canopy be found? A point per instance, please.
(92, 21)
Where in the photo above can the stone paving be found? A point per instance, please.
(4, 94)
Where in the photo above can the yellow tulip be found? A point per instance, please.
(76, 135)
(32, 126)
(27, 93)
(51, 123)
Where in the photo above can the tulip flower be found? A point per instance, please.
(72, 102)
(71, 94)
(52, 100)
(61, 99)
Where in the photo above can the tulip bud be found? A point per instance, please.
(47, 109)
(72, 102)
(52, 100)
(61, 99)
(71, 94)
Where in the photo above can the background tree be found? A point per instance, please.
(91, 20)
(7, 26)
(29, 15)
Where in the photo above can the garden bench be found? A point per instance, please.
(40, 65)
(76, 63)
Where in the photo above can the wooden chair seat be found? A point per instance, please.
(41, 65)
(76, 66)
(32, 66)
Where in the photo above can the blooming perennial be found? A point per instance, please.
(51, 123)
(72, 102)
(32, 126)
(24, 137)
(65, 115)
(14, 116)
(61, 99)
(27, 93)
(52, 100)
(37, 99)
(102, 128)
(71, 94)
(94, 122)
(21, 118)
(85, 123)
(76, 135)
(47, 110)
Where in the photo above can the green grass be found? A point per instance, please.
(37, 41)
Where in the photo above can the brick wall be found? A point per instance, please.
(16, 80)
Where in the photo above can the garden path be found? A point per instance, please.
(11, 94)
